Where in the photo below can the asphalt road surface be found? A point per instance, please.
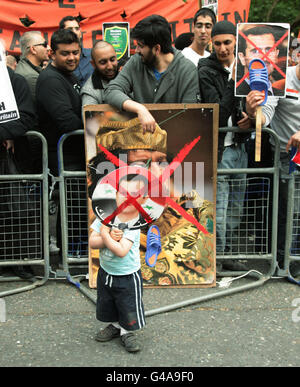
(54, 326)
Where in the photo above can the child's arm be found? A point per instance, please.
(121, 248)
(96, 241)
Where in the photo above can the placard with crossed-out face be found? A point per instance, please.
(268, 42)
(173, 189)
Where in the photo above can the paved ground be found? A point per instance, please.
(54, 325)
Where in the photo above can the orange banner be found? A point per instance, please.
(236, 11)
(18, 16)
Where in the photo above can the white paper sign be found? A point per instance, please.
(8, 106)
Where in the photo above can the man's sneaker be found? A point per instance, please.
(108, 333)
(129, 340)
(53, 248)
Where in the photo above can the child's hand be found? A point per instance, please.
(116, 234)
(104, 229)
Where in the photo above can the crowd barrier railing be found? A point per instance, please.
(73, 204)
(292, 237)
(253, 235)
(74, 212)
(24, 223)
(254, 238)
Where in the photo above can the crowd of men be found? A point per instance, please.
(61, 77)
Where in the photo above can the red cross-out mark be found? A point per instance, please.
(166, 174)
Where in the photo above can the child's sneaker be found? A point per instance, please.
(130, 342)
(108, 333)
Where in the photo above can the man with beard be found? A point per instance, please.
(283, 115)
(157, 74)
(59, 112)
(58, 100)
(216, 79)
(105, 63)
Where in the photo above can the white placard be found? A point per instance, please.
(8, 106)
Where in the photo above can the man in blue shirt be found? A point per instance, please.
(85, 69)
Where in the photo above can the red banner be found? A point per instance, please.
(18, 16)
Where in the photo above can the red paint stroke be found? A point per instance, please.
(112, 158)
(166, 174)
(187, 216)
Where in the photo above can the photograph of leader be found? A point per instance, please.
(186, 134)
(268, 42)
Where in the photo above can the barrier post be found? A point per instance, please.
(292, 242)
(38, 254)
(274, 172)
(76, 254)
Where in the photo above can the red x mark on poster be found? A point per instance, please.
(166, 174)
(265, 56)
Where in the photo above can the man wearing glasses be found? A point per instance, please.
(204, 20)
(34, 49)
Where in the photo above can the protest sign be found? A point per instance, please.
(117, 34)
(268, 42)
(177, 192)
(8, 106)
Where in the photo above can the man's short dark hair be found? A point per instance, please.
(153, 30)
(61, 25)
(205, 12)
(63, 37)
(256, 31)
(184, 40)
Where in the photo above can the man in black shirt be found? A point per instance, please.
(59, 102)
(216, 80)
(12, 138)
(59, 111)
(85, 68)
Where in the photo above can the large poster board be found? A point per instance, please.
(185, 144)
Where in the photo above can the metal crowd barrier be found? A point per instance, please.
(24, 223)
(292, 241)
(74, 212)
(255, 236)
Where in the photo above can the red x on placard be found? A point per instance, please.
(166, 174)
(265, 56)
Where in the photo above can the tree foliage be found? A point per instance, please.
(276, 11)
